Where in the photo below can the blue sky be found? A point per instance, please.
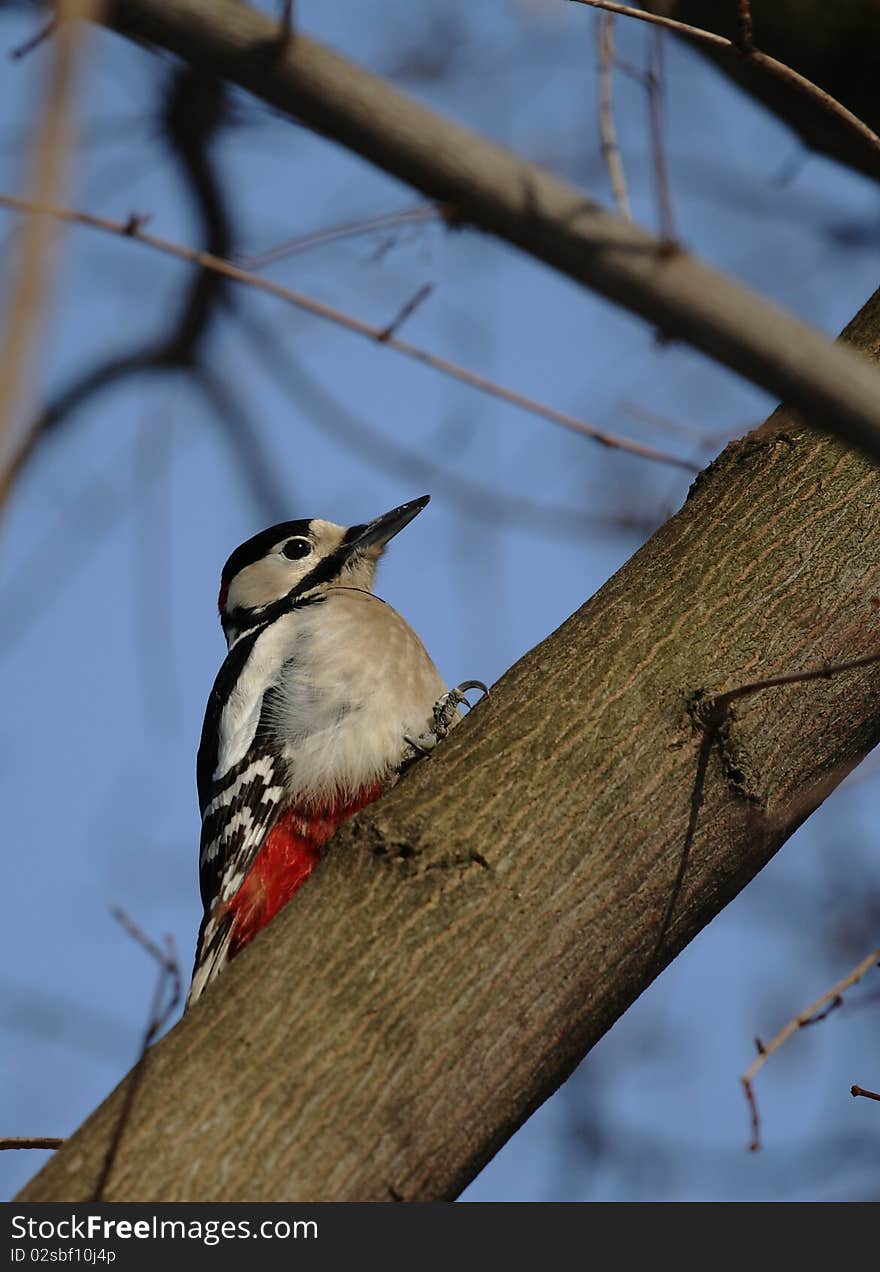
(114, 540)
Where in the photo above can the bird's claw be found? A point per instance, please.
(445, 710)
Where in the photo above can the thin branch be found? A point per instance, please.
(702, 437)
(324, 411)
(655, 82)
(405, 312)
(29, 1141)
(45, 32)
(722, 701)
(870, 1095)
(745, 37)
(287, 19)
(484, 185)
(418, 215)
(712, 715)
(166, 998)
(133, 229)
(822, 1007)
(194, 109)
(607, 130)
(741, 49)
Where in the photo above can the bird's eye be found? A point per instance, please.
(296, 549)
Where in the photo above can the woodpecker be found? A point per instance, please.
(325, 693)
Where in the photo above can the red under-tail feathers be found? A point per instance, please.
(291, 851)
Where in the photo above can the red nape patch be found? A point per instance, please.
(221, 599)
(290, 853)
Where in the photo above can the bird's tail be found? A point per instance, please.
(212, 953)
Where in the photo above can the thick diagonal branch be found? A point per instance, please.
(470, 936)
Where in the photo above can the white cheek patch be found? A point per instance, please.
(274, 575)
(262, 582)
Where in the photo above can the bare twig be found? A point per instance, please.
(324, 411)
(665, 424)
(418, 215)
(44, 33)
(166, 998)
(405, 312)
(29, 1141)
(822, 1007)
(133, 229)
(194, 110)
(870, 1095)
(486, 186)
(722, 701)
(745, 33)
(607, 130)
(656, 88)
(712, 714)
(742, 49)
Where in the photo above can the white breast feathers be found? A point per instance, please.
(356, 680)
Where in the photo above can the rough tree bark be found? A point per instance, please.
(467, 939)
(834, 45)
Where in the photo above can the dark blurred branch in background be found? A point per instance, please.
(25, 304)
(195, 111)
(417, 215)
(607, 130)
(481, 500)
(833, 45)
(166, 999)
(489, 187)
(655, 83)
(405, 312)
(208, 262)
(748, 54)
(29, 1141)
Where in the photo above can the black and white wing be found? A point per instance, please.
(241, 793)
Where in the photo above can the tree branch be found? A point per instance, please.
(471, 935)
(819, 1010)
(487, 186)
(8, 1142)
(218, 266)
(743, 48)
(832, 45)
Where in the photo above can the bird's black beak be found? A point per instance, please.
(377, 533)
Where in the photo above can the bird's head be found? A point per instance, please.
(300, 559)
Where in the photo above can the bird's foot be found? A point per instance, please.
(445, 715)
